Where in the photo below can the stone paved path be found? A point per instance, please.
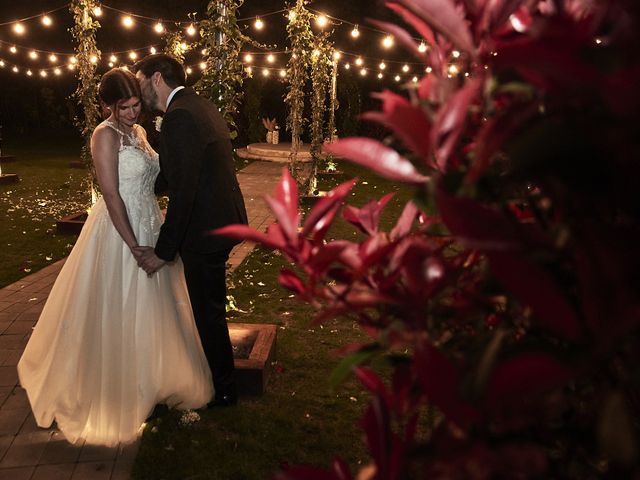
(31, 453)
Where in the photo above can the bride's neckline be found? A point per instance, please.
(117, 129)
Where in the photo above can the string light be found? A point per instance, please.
(46, 21)
(97, 11)
(453, 70)
(191, 30)
(71, 66)
(29, 72)
(127, 21)
(292, 15)
(93, 59)
(33, 54)
(113, 58)
(355, 33)
(258, 24)
(347, 66)
(283, 73)
(15, 69)
(2, 63)
(387, 42)
(203, 65)
(158, 27)
(248, 58)
(133, 55)
(422, 47)
(111, 64)
(455, 54)
(270, 58)
(382, 66)
(249, 70)
(57, 71)
(73, 60)
(380, 75)
(405, 68)
(189, 70)
(397, 78)
(363, 72)
(43, 73)
(53, 58)
(13, 49)
(204, 52)
(337, 55)
(414, 79)
(184, 46)
(428, 69)
(359, 61)
(152, 50)
(265, 72)
(18, 28)
(322, 21)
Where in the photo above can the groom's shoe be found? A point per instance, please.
(223, 400)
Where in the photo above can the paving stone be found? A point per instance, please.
(4, 393)
(12, 359)
(97, 453)
(19, 328)
(5, 443)
(28, 317)
(8, 317)
(17, 399)
(12, 420)
(8, 375)
(59, 450)
(93, 471)
(30, 424)
(62, 471)
(20, 473)
(25, 450)
(12, 342)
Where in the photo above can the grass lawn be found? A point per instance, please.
(298, 420)
(48, 190)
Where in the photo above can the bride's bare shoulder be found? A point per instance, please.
(104, 133)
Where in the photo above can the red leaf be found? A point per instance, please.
(367, 217)
(376, 424)
(319, 212)
(450, 120)
(523, 376)
(422, 28)
(440, 381)
(444, 17)
(287, 221)
(287, 192)
(401, 35)
(291, 281)
(372, 382)
(506, 243)
(405, 222)
(383, 160)
(245, 232)
(496, 13)
(408, 122)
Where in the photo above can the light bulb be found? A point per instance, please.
(355, 33)
(43, 73)
(152, 50)
(422, 47)
(322, 21)
(359, 61)
(53, 58)
(270, 58)
(133, 55)
(248, 58)
(265, 72)
(405, 68)
(13, 49)
(127, 21)
(158, 27)
(380, 75)
(18, 28)
(397, 78)
(363, 72)
(57, 71)
(258, 24)
(97, 11)
(113, 58)
(189, 70)
(93, 59)
(283, 73)
(382, 66)
(191, 30)
(337, 55)
(33, 54)
(203, 65)
(387, 42)
(46, 21)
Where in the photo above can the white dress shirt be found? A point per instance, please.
(173, 92)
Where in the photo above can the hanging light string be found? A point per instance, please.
(41, 14)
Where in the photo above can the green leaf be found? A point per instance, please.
(344, 368)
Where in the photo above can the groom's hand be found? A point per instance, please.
(148, 260)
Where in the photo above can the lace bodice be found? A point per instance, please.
(138, 164)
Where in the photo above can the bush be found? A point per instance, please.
(506, 296)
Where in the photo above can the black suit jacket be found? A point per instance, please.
(198, 175)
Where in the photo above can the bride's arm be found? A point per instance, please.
(104, 150)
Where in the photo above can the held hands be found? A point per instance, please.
(147, 259)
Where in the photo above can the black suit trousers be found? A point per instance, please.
(205, 276)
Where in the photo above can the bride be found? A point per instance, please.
(112, 342)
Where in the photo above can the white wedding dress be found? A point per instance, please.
(111, 343)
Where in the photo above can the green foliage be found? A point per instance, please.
(175, 44)
(86, 94)
(321, 65)
(222, 40)
(302, 39)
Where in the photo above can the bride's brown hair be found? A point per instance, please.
(116, 86)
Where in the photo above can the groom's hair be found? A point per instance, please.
(171, 69)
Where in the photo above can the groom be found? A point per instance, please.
(197, 172)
